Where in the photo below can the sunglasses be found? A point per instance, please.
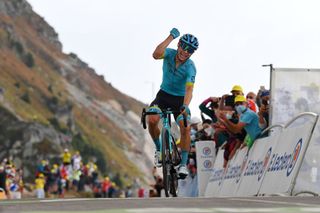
(187, 48)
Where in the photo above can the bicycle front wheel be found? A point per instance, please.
(166, 161)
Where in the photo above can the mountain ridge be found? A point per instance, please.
(58, 93)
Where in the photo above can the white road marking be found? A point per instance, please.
(169, 210)
(274, 202)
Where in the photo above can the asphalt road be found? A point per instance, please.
(167, 205)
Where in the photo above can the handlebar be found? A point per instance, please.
(167, 111)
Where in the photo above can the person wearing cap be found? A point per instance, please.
(40, 182)
(227, 101)
(248, 120)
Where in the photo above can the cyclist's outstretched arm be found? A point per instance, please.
(159, 51)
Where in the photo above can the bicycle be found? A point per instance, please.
(170, 156)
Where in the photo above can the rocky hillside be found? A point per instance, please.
(50, 100)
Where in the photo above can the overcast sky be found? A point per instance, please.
(117, 39)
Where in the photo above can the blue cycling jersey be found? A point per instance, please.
(174, 79)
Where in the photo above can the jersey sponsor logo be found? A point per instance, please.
(285, 161)
(193, 79)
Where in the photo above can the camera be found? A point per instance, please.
(229, 100)
(214, 105)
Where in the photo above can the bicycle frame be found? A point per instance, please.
(169, 152)
(166, 124)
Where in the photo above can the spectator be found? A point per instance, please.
(40, 182)
(158, 185)
(112, 190)
(227, 101)
(194, 122)
(129, 192)
(106, 184)
(76, 178)
(248, 120)
(66, 157)
(208, 107)
(14, 186)
(264, 109)
(41, 167)
(3, 180)
(192, 166)
(251, 99)
(206, 133)
(258, 97)
(76, 161)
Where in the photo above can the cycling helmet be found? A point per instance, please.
(190, 40)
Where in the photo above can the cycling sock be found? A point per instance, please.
(157, 143)
(184, 157)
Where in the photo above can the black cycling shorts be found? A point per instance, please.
(165, 100)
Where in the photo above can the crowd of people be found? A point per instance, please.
(70, 176)
(232, 121)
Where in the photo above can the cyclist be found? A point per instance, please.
(175, 92)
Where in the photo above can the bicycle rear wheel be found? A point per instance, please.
(166, 161)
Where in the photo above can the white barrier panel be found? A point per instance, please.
(232, 177)
(288, 153)
(188, 187)
(215, 180)
(206, 155)
(294, 91)
(308, 180)
(256, 165)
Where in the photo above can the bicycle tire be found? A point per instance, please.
(165, 161)
(173, 173)
(173, 181)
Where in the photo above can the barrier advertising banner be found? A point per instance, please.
(232, 177)
(256, 165)
(285, 160)
(294, 91)
(206, 155)
(216, 176)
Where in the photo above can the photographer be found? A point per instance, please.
(227, 101)
(208, 106)
(264, 109)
